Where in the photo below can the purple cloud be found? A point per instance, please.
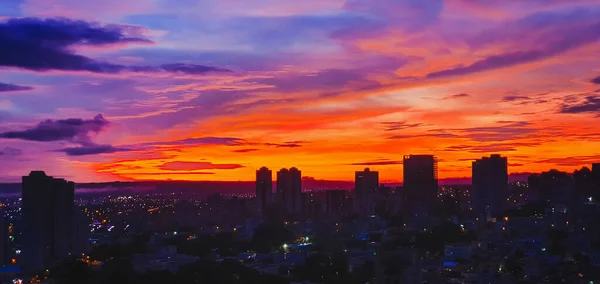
(287, 144)
(229, 141)
(494, 147)
(190, 166)
(74, 130)
(177, 173)
(399, 125)
(92, 150)
(435, 135)
(43, 45)
(562, 32)
(4, 87)
(515, 98)
(9, 152)
(245, 150)
(590, 104)
(572, 161)
(596, 80)
(190, 68)
(457, 96)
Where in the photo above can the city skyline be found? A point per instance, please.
(214, 90)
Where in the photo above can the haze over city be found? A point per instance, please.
(213, 90)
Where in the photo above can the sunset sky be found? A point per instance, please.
(214, 89)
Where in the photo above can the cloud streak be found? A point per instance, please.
(590, 104)
(189, 166)
(92, 150)
(399, 125)
(4, 87)
(10, 152)
(74, 130)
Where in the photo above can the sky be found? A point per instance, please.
(214, 89)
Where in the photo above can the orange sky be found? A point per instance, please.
(218, 90)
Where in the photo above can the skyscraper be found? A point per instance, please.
(264, 189)
(47, 212)
(289, 190)
(583, 185)
(4, 240)
(553, 186)
(337, 203)
(365, 188)
(420, 179)
(490, 184)
(596, 177)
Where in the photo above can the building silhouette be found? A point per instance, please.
(583, 185)
(490, 184)
(264, 189)
(5, 245)
(552, 186)
(596, 178)
(365, 189)
(289, 190)
(420, 180)
(47, 211)
(337, 203)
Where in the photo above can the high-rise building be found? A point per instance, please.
(80, 233)
(420, 179)
(490, 184)
(47, 211)
(552, 186)
(289, 190)
(583, 185)
(337, 203)
(365, 188)
(5, 247)
(596, 177)
(264, 189)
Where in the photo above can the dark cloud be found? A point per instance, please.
(488, 148)
(245, 150)
(513, 123)
(571, 161)
(457, 96)
(509, 130)
(590, 104)
(177, 173)
(190, 68)
(515, 98)
(525, 100)
(190, 166)
(515, 165)
(399, 125)
(596, 80)
(228, 141)
(11, 88)
(43, 45)
(380, 162)
(490, 63)
(288, 144)
(74, 130)
(9, 152)
(92, 150)
(433, 135)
